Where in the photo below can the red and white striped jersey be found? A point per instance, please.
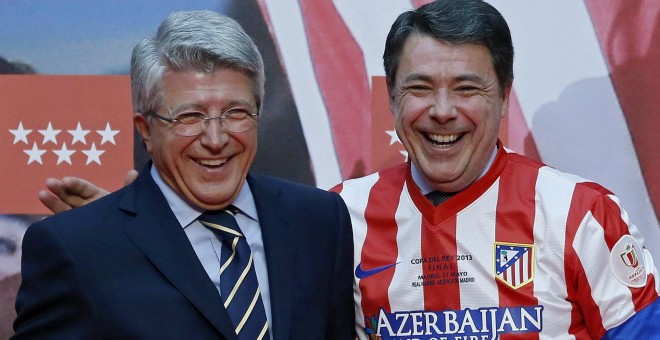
(526, 251)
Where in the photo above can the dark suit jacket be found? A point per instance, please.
(123, 268)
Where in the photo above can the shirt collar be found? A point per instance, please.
(186, 213)
(425, 187)
(245, 202)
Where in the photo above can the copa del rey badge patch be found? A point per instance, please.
(627, 261)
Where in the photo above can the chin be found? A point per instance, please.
(437, 173)
(212, 205)
(217, 199)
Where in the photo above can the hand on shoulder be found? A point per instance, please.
(72, 192)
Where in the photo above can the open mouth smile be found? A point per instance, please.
(211, 163)
(442, 140)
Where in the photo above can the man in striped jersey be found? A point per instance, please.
(511, 248)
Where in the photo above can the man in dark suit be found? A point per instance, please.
(143, 263)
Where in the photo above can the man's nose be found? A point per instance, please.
(443, 106)
(214, 133)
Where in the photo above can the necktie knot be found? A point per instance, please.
(222, 221)
(436, 197)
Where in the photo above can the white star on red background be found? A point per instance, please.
(93, 155)
(20, 134)
(78, 135)
(50, 134)
(393, 136)
(64, 154)
(108, 135)
(35, 154)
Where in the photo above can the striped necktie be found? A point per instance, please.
(436, 197)
(239, 287)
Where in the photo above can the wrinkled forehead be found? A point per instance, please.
(226, 85)
(425, 55)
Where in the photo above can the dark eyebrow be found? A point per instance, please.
(471, 77)
(462, 77)
(418, 76)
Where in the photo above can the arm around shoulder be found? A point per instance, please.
(72, 192)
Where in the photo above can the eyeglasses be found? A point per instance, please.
(192, 123)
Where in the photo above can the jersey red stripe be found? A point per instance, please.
(380, 247)
(437, 242)
(514, 223)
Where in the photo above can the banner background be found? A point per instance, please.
(585, 101)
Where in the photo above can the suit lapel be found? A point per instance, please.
(276, 233)
(155, 230)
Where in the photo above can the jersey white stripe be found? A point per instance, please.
(483, 291)
(550, 242)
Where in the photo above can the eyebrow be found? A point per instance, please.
(471, 77)
(463, 77)
(417, 76)
(229, 105)
(184, 107)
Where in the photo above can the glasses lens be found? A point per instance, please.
(238, 124)
(189, 123)
(190, 129)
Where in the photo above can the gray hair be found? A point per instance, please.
(453, 22)
(193, 40)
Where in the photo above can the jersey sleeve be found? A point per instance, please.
(614, 277)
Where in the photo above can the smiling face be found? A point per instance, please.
(209, 169)
(447, 107)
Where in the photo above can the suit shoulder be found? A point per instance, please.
(286, 186)
(89, 214)
(294, 195)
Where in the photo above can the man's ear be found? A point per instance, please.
(506, 94)
(142, 125)
(391, 100)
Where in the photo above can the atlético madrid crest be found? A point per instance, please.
(514, 263)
